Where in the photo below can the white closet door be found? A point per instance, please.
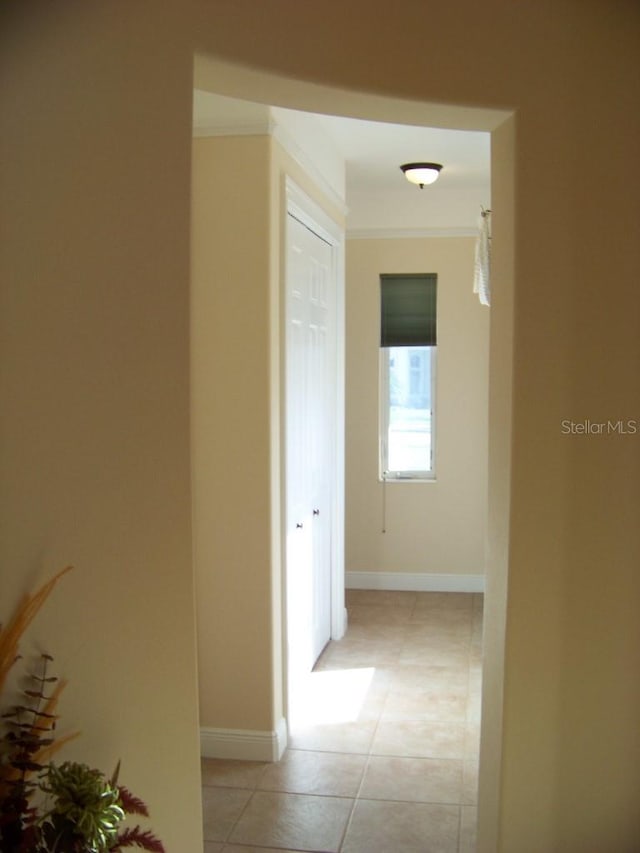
(308, 454)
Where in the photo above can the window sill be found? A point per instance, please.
(426, 479)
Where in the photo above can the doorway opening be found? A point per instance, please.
(209, 76)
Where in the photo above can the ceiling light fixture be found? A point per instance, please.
(421, 173)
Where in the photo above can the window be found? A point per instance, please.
(407, 376)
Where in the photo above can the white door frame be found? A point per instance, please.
(307, 211)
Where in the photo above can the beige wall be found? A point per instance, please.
(435, 527)
(94, 447)
(95, 153)
(230, 428)
(237, 269)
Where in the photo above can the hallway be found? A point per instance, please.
(383, 751)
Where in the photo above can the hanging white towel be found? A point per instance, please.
(482, 267)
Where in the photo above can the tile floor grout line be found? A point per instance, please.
(349, 820)
(459, 829)
(445, 626)
(242, 811)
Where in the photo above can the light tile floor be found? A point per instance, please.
(383, 754)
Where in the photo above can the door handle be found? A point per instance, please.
(316, 512)
(299, 525)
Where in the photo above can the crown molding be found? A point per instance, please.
(271, 128)
(308, 166)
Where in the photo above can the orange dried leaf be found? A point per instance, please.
(22, 618)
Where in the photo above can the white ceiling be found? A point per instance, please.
(378, 197)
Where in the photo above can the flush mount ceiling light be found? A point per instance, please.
(421, 173)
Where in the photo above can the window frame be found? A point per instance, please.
(408, 320)
(415, 476)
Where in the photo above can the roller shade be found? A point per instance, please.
(408, 310)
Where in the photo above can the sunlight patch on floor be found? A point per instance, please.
(330, 696)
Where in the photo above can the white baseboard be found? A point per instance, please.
(414, 581)
(244, 744)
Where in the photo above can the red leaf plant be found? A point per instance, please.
(83, 809)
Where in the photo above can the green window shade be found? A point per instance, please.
(408, 310)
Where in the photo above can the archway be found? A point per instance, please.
(233, 81)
